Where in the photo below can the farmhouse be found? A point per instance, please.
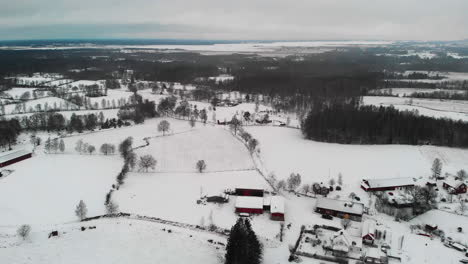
(342, 243)
(11, 157)
(339, 208)
(248, 191)
(388, 184)
(249, 204)
(277, 208)
(368, 232)
(454, 186)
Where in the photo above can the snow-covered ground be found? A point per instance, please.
(47, 187)
(113, 241)
(51, 102)
(453, 109)
(284, 151)
(16, 92)
(408, 91)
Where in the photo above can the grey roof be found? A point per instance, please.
(341, 206)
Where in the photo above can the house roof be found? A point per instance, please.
(9, 155)
(389, 182)
(341, 206)
(452, 182)
(368, 228)
(249, 202)
(277, 204)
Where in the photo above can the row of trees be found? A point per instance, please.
(351, 123)
(9, 131)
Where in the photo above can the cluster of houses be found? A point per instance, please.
(321, 240)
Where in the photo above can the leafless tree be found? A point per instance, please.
(81, 210)
(23, 231)
(146, 162)
(201, 165)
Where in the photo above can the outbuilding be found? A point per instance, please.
(14, 156)
(247, 191)
(339, 208)
(387, 184)
(368, 231)
(277, 208)
(249, 204)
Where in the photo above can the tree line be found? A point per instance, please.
(350, 123)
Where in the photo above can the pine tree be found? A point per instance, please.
(243, 246)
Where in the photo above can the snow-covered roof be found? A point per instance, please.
(374, 253)
(389, 182)
(267, 201)
(9, 155)
(452, 182)
(277, 204)
(368, 228)
(249, 202)
(342, 241)
(341, 206)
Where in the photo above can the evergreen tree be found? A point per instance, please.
(243, 246)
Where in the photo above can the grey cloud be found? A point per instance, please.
(240, 19)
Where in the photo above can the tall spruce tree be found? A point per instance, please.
(243, 247)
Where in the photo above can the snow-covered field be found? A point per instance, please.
(47, 187)
(51, 102)
(113, 241)
(453, 109)
(284, 151)
(408, 91)
(16, 92)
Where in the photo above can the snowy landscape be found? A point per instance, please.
(233, 151)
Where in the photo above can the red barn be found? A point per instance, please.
(249, 192)
(249, 204)
(11, 157)
(454, 186)
(389, 184)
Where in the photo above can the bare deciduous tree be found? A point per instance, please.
(146, 162)
(112, 207)
(23, 231)
(201, 165)
(81, 210)
(345, 222)
(164, 126)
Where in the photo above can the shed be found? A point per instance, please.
(14, 156)
(277, 208)
(249, 191)
(249, 204)
(368, 231)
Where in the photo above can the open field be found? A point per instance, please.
(47, 187)
(452, 109)
(113, 241)
(284, 151)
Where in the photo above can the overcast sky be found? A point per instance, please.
(236, 19)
